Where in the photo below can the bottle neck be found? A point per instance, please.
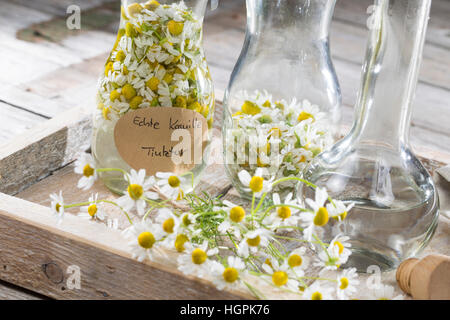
(383, 111)
(290, 22)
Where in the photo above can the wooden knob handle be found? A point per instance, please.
(403, 274)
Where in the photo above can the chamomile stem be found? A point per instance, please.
(123, 211)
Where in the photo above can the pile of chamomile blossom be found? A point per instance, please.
(275, 240)
(287, 136)
(157, 61)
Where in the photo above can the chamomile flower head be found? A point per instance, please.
(338, 210)
(235, 215)
(253, 240)
(298, 261)
(94, 211)
(286, 212)
(256, 183)
(318, 217)
(318, 292)
(169, 224)
(143, 239)
(57, 205)
(195, 260)
(138, 192)
(280, 275)
(228, 277)
(171, 184)
(336, 254)
(346, 284)
(85, 165)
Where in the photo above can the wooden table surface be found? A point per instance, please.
(46, 69)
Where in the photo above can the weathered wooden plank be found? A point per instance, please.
(39, 259)
(43, 149)
(15, 121)
(11, 292)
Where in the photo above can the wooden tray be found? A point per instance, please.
(35, 252)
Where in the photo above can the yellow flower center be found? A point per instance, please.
(130, 30)
(168, 225)
(135, 102)
(168, 78)
(105, 113)
(186, 220)
(321, 217)
(304, 116)
(146, 240)
(254, 242)
(135, 191)
(237, 214)
(180, 241)
(134, 8)
(128, 91)
(114, 95)
(230, 275)
(256, 184)
(152, 5)
(268, 262)
(57, 207)
(153, 84)
(316, 296)
(284, 212)
(174, 181)
(88, 171)
(343, 215)
(198, 256)
(180, 195)
(344, 284)
(295, 261)
(175, 27)
(250, 108)
(92, 209)
(280, 278)
(120, 56)
(181, 102)
(340, 245)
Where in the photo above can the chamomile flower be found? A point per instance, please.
(346, 284)
(57, 205)
(318, 292)
(280, 275)
(319, 217)
(298, 261)
(137, 192)
(285, 214)
(235, 215)
(253, 240)
(195, 260)
(85, 165)
(336, 254)
(256, 184)
(227, 277)
(171, 184)
(338, 210)
(143, 237)
(169, 224)
(94, 211)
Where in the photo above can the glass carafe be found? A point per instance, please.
(396, 207)
(156, 68)
(282, 105)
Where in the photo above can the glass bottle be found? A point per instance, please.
(282, 105)
(157, 62)
(396, 208)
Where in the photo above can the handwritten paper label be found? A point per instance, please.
(162, 139)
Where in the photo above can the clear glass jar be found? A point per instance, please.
(282, 105)
(157, 61)
(396, 207)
